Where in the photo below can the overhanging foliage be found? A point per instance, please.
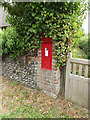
(57, 20)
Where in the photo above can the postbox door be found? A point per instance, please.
(46, 56)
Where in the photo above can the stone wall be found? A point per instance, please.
(28, 71)
(20, 71)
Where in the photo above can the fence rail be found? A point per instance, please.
(80, 63)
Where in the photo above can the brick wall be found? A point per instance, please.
(48, 80)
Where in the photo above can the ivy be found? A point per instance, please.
(57, 20)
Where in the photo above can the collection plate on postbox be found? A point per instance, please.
(46, 53)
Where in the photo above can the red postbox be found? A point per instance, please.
(46, 53)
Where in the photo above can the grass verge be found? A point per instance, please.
(22, 102)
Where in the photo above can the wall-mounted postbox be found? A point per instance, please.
(46, 53)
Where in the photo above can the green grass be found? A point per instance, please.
(14, 83)
(28, 112)
(5, 116)
(25, 93)
(25, 112)
(27, 105)
(22, 111)
(78, 53)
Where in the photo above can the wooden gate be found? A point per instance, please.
(77, 84)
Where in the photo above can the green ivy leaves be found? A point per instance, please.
(59, 21)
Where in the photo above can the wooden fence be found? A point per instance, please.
(77, 84)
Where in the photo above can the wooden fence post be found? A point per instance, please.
(68, 70)
(62, 81)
